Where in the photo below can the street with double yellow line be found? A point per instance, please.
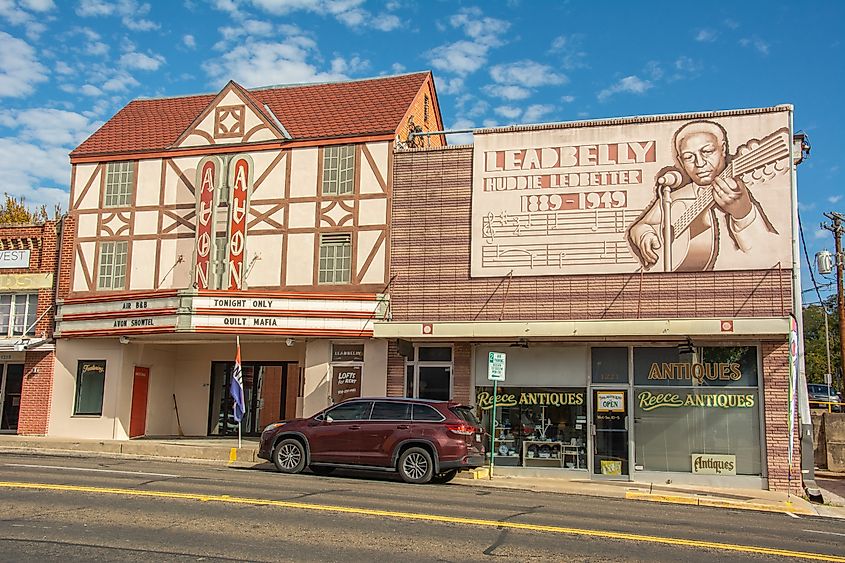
(129, 510)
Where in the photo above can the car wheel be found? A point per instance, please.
(321, 469)
(444, 477)
(289, 456)
(415, 466)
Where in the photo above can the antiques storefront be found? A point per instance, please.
(642, 412)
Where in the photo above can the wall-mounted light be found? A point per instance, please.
(290, 342)
(124, 340)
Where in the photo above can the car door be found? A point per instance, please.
(336, 437)
(389, 424)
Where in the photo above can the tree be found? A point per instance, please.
(815, 347)
(15, 211)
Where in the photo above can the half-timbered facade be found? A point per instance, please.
(256, 213)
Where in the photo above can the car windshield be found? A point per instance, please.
(465, 414)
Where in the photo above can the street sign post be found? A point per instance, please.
(495, 373)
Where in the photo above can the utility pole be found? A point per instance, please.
(837, 229)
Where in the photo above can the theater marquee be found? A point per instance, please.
(667, 193)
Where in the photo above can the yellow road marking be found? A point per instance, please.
(432, 518)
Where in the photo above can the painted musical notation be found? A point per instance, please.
(556, 239)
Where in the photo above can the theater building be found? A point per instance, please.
(257, 213)
(29, 256)
(637, 274)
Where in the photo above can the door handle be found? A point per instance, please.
(402, 427)
(355, 427)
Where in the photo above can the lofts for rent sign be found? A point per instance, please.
(673, 193)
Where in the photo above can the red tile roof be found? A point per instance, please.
(341, 109)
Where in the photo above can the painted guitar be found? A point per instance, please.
(690, 224)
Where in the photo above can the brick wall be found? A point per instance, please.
(430, 257)
(44, 244)
(461, 372)
(417, 111)
(36, 393)
(776, 420)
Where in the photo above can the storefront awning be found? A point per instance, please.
(596, 329)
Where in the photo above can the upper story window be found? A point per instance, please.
(119, 180)
(339, 170)
(335, 258)
(112, 274)
(17, 313)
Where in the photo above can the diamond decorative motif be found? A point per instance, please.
(229, 121)
(335, 214)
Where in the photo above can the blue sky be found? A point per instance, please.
(66, 66)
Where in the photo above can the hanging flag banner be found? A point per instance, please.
(209, 172)
(240, 184)
(236, 387)
(793, 382)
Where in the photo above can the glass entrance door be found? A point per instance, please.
(265, 390)
(610, 433)
(11, 383)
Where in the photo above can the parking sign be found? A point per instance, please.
(496, 366)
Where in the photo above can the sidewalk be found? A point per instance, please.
(218, 451)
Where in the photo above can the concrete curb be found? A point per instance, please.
(783, 508)
(223, 461)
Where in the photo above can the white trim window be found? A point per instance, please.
(335, 258)
(112, 274)
(429, 375)
(17, 313)
(339, 170)
(119, 180)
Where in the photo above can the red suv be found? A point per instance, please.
(422, 440)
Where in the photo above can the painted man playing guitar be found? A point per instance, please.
(688, 214)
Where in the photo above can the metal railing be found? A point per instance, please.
(830, 405)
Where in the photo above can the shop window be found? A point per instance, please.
(335, 258)
(112, 274)
(90, 382)
(119, 180)
(537, 426)
(17, 314)
(338, 170)
(707, 407)
(430, 375)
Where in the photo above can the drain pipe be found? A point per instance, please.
(808, 470)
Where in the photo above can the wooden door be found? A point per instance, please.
(140, 388)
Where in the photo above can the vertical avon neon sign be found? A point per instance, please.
(240, 183)
(209, 172)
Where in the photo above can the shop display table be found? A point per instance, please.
(553, 459)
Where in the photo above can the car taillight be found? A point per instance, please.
(463, 429)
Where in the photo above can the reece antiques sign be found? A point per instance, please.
(674, 193)
(649, 401)
(710, 464)
(484, 399)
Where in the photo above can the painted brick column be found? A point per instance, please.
(36, 393)
(776, 403)
(395, 371)
(461, 376)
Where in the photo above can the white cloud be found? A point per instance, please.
(508, 112)
(705, 35)
(460, 138)
(451, 85)
(761, 46)
(535, 112)
(834, 199)
(120, 81)
(526, 73)
(63, 68)
(90, 90)
(39, 5)
(348, 12)
(567, 99)
(20, 70)
(255, 63)
(397, 68)
(131, 13)
(189, 42)
(97, 48)
(629, 84)
(466, 56)
(821, 234)
(18, 13)
(35, 163)
(141, 61)
(569, 46)
(507, 92)
(806, 206)
(386, 22)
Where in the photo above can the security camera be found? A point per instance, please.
(124, 340)
(290, 341)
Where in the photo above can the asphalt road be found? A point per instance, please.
(75, 509)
